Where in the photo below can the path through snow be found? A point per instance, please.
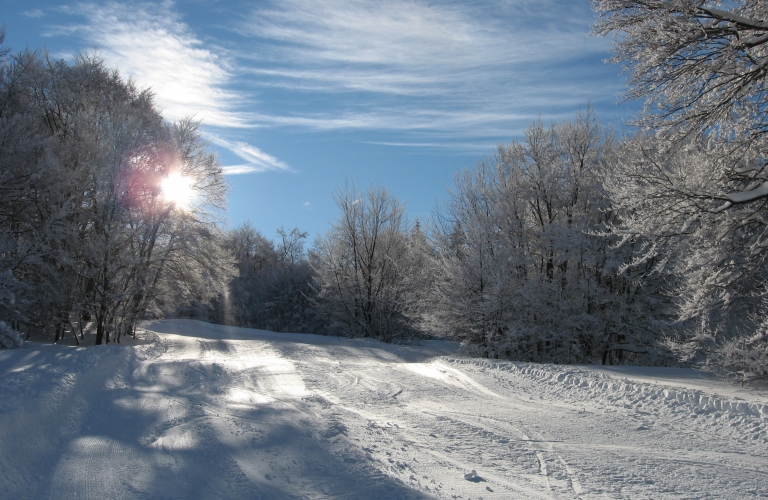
(218, 412)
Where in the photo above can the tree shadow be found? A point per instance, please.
(135, 428)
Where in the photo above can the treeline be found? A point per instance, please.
(273, 290)
(525, 261)
(568, 246)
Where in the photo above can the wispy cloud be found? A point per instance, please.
(453, 73)
(239, 169)
(34, 14)
(452, 66)
(480, 147)
(256, 159)
(415, 43)
(436, 122)
(148, 43)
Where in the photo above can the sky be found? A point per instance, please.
(302, 98)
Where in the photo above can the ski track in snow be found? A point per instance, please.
(209, 411)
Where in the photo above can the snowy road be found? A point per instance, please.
(216, 412)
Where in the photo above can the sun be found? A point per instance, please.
(177, 189)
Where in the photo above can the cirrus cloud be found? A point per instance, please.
(256, 159)
(448, 68)
(149, 43)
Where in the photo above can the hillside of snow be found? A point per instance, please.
(207, 411)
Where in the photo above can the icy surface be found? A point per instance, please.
(215, 412)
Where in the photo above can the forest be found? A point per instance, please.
(573, 244)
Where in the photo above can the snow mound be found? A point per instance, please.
(585, 385)
(9, 338)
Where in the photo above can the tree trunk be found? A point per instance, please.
(101, 326)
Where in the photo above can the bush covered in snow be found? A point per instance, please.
(9, 338)
(745, 357)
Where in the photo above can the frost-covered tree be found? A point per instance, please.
(527, 271)
(37, 202)
(698, 189)
(252, 252)
(701, 65)
(181, 242)
(195, 276)
(361, 265)
(423, 263)
(9, 338)
(711, 250)
(89, 230)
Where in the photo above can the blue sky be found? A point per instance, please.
(300, 97)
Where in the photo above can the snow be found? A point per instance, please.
(745, 196)
(9, 338)
(207, 411)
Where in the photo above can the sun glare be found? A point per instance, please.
(178, 190)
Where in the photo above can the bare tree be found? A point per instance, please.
(291, 246)
(273, 290)
(361, 264)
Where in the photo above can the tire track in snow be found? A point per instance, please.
(472, 438)
(541, 450)
(660, 425)
(93, 468)
(570, 476)
(466, 384)
(550, 463)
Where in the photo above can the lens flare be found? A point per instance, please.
(177, 189)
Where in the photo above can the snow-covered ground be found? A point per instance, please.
(209, 411)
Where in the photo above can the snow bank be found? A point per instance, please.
(581, 384)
